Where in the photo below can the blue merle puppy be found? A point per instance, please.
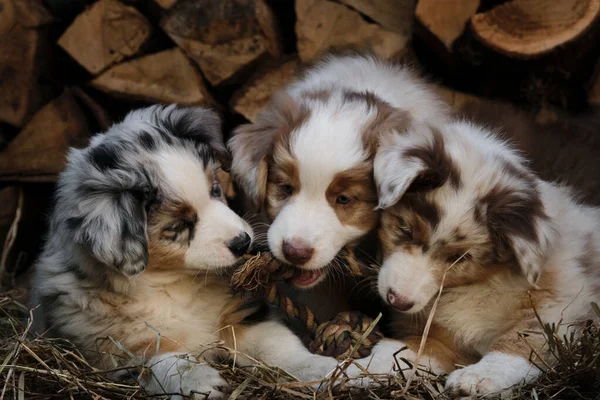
(138, 241)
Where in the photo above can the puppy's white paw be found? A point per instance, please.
(180, 375)
(389, 358)
(313, 368)
(495, 373)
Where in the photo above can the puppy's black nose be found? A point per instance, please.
(240, 244)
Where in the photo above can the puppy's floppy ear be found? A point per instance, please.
(198, 124)
(413, 160)
(102, 199)
(519, 226)
(252, 143)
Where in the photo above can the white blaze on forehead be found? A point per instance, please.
(183, 175)
(328, 143)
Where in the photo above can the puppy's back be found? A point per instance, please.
(565, 150)
(396, 84)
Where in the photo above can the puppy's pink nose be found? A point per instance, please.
(400, 303)
(297, 251)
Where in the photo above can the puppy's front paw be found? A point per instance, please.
(180, 375)
(495, 373)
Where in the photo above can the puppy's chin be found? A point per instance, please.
(215, 261)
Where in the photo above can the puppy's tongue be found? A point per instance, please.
(306, 277)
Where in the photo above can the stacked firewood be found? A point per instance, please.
(69, 68)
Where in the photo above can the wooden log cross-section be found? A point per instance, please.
(530, 28)
(256, 93)
(324, 25)
(164, 77)
(105, 34)
(225, 38)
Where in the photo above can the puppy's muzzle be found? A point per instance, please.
(297, 251)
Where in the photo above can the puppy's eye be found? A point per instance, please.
(287, 189)
(458, 258)
(343, 199)
(216, 190)
(404, 228)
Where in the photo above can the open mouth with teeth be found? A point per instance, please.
(307, 278)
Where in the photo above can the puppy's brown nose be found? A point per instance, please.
(399, 302)
(297, 251)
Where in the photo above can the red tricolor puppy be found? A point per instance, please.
(308, 159)
(462, 208)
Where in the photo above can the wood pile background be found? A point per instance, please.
(69, 68)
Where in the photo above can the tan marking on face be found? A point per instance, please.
(226, 182)
(167, 247)
(465, 258)
(403, 229)
(282, 173)
(358, 186)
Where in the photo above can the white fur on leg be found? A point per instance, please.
(278, 346)
(181, 374)
(384, 360)
(496, 372)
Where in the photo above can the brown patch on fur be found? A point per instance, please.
(513, 212)
(388, 119)
(402, 228)
(357, 184)
(439, 167)
(271, 132)
(148, 347)
(417, 203)
(322, 95)
(440, 346)
(231, 326)
(525, 340)
(284, 172)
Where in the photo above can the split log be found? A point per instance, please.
(24, 46)
(393, 15)
(530, 28)
(224, 38)
(323, 25)
(256, 94)
(38, 153)
(446, 20)
(105, 34)
(165, 77)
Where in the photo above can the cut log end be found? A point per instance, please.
(105, 34)
(323, 26)
(446, 20)
(529, 28)
(165, 77)
(224, 38)
(256, 94)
